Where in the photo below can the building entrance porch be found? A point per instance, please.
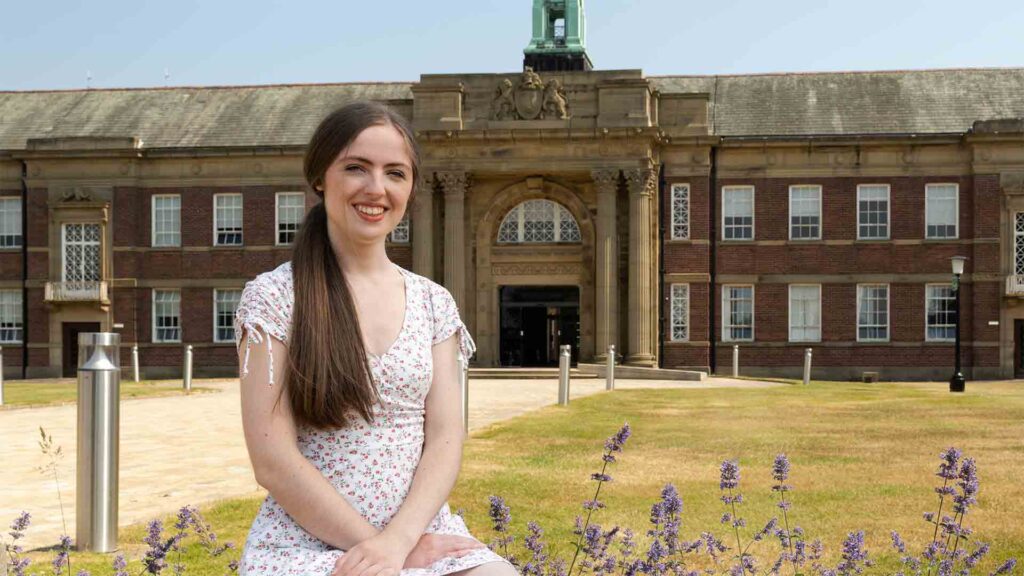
(536, 321)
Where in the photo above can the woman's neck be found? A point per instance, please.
(360, 259)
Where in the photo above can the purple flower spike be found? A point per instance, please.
(20, 524)
(780, 469)
(1005, 568)
(616, 442)
(947, 468)
(968, 483)
(730, 475)
(855, 557)
(500, 514)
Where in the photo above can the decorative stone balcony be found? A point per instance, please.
(1015, 285)
(76, 292)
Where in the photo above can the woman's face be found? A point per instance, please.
(367, 187)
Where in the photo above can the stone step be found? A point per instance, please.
(640, 373)
(525, 373)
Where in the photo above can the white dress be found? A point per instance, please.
(371, 465)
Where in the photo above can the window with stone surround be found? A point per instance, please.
(166, 220)
(81, 255)
(737, 313)
(166, 316)
(10, 222)
(680, 312)
(1018, 243)
(805, 212)
(11, 325)
(538, 221)
(738, 213)
(225, 302)
(400, 235)
(941, 210)
(227, 219)
(805, 313)
(680, 211)
(872, 312)
(940, 313)
(289, 211)
(873, 212)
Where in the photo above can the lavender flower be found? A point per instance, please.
(83, 572)
(120, 566)
(535, 545)
(854, 556)
(19, 525)
(61, 559)
(1005, 567)
(897, 542)
(500, 514)
(616, 442)
(730, 477)
(967, 480)
(780, 471)
(948, 467)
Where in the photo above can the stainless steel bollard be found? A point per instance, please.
(1, 375)
(735, 360)
(135, 363)
(186, 379)
(463, 366)
(807, 366)
(563, 375)
(99, 391)
(609, 375)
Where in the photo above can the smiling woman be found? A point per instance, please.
(361, 443)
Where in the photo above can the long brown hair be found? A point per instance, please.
(328, 378)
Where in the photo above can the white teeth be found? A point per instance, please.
(371, 210)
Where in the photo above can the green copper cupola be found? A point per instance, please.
(559, 37)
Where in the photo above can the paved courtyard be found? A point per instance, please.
(190, 449)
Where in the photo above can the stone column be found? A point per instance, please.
(454, 185)
(643, 309)
(423, 227)
(606, 183)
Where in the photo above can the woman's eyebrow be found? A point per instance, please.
(368, 161)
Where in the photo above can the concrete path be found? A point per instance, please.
(190, 449)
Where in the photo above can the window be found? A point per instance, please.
(224, 304)
(81, 254)
(400, 235)
(227, 219)
(872, 312)
(10, 317)
(941, 210)
(291, 207)
(940, 313)
(738, 213)
(536, 221)
(680, 211)
(805, 212)
(166, 220)
(737, 313)
(805, 313)
(10, 222)
(873, 212)
(166, 316)
(1018, 243)
(680, 312)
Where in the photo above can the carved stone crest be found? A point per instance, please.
(76, 194)
(530, 99)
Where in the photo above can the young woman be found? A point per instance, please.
(350, 401)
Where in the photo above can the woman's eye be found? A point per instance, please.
(353, 167)
(397, 174)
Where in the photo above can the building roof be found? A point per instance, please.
(843, 103)
(183, 117)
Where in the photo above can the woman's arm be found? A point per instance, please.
(296, 484)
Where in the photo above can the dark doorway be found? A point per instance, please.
(535, 321)
(70, 343)
(1018, 348)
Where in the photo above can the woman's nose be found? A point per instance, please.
(375, 184)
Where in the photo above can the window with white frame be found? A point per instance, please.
(82, 256)
(872, 312)
(805, 313)
(166, 220)
(225, 302)
(738, 213)
(166, 316)
(940, 313)
(536, 221)
(400, 235)
(680, 211)
(11, 325)
(873, 212)
(291, 208)
(227, 219)
(10, 222)
(680, 312)
(804, 212)
(737, 313)
(941, 210)
(1018, 243)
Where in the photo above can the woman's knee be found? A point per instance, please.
(489, 569)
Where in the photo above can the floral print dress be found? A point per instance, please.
(371, 465)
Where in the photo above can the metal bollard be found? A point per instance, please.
(735, 361)
(99, 391)
(1, 375)
(463, 366)
(563, 375)
(807, 366)
(609, 376)
(135, 363)
(186, 380)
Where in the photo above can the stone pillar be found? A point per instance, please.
(643, 307)
(606, 183)
(423, 227)
(454, 185)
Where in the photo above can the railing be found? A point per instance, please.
(76, 292)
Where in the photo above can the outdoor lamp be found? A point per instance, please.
(957, 383)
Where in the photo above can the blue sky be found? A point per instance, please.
(56, 44)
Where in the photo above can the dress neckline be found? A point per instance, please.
(405, 317)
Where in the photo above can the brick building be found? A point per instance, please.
(672, 216)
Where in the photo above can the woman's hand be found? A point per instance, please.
(380, 555)
(432, 547)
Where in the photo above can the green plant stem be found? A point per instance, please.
(785, 520)
(586, 524)
(938, 519)
(736, 527)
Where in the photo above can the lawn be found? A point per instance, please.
(22, 394)
(863, 457)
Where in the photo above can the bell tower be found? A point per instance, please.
(559, 37)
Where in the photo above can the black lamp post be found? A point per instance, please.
(957, 383)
